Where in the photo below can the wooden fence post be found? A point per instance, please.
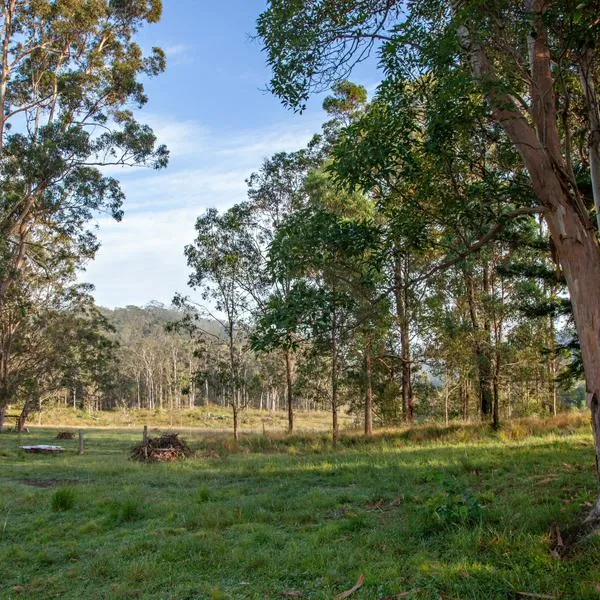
(81, 446)
(145, 434)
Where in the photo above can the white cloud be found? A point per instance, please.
(141, 258)
(175, 50)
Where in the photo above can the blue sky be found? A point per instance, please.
(211, 110)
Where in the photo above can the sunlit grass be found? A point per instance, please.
(431, 517)
(207, 417)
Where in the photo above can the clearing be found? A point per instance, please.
(277, 517)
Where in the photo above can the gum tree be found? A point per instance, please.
(70, 75)
(520, 58)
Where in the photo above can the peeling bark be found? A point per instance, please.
(572, 230)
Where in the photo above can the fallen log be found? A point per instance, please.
(43, 449)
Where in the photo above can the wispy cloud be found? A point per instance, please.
(175, 50)
(141, 258)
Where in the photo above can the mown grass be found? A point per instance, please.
(453, 513)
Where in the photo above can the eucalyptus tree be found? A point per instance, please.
(70, 75)
(70, 72)
(223, 259)
(329, 249)
(56, 339)
(519, 57)
(274, 192)
(67, 346)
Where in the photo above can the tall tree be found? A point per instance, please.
(513, 55)
(223, 259)
(275, 192)
(70, 72)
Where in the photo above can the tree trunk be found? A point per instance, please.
(335, 431)
(22, 419)
(464, 393)
(482, 343)
(2, 417)
(289, 378)
(369, 388)
(552, 392)
(401, 297)
(496, 407)
(235, 421)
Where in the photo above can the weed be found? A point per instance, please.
(63, 499)
(125, 511)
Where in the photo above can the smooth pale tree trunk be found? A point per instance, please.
(369, 390)
(572, 231)
(289, 378)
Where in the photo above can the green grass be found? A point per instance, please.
(422, 513)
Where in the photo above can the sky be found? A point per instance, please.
(212, 111)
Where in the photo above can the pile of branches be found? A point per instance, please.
(166, 448)
(65, 435)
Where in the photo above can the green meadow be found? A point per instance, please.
(435, 513)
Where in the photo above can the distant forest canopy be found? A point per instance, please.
(158, 368)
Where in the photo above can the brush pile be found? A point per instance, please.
(65, 435)
(166, 448)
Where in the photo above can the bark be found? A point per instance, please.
(552, 368)
(289, 378)
(570, 226)
(2, 417)
(235, 421)
(464, 400)
(496, 407)
(401, 297)
(482, 334)
(335, 431)
(369, 388)
(22, 419)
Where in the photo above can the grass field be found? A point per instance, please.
(205, 417)
(451, 513)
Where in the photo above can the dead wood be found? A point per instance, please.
(166, 448)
